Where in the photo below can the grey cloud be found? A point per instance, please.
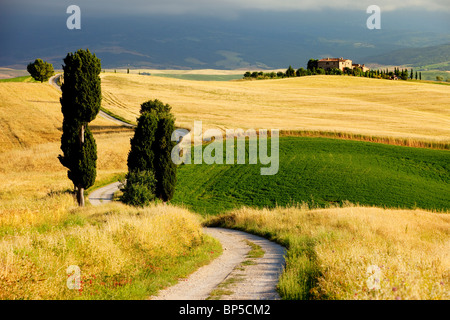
(226, 7)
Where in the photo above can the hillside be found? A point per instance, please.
(322, 172)
(30, 114)
(42, 231)
(329, 103)
(434, 57)
(130, 253)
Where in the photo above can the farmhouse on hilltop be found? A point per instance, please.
(339, 63)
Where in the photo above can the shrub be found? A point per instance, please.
(139, 189)
(40, 70)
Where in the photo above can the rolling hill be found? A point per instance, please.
(129, 253)
(433, 57)
(329, 103)
(30, 114)
(323, 172)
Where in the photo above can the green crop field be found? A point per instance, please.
(322, 172)
(19, 79)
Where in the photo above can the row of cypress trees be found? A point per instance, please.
(151, 172)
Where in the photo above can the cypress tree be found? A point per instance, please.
(290, 72)
(412, 73)
(141, 156)
(420, 75)
(416, 75)
(80, 104)
(150, 156)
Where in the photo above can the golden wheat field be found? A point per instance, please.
(30, 114)
(329, 103)
(42, 231)
(409, 249)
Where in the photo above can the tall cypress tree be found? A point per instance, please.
(80, 104)
(150, 155)
(141, 156)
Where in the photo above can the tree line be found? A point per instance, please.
(313, 69)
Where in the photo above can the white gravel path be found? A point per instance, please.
(254, 282)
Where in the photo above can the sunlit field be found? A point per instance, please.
(123, 252)
(353, 105)
(130, 253)
(30, 114)
(338, 253)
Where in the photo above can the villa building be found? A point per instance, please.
(339, 63)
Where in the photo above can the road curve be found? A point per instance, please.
(54, 82)
(256, 281)
(104, 195)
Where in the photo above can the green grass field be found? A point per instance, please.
(19, 79)
(323, 172)
(431, 75)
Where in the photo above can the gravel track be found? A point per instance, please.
(254, 281)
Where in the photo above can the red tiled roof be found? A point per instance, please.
(333, 59)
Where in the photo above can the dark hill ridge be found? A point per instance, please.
(416, 57)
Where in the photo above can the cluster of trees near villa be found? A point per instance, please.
(313, 69)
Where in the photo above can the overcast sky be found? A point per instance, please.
(214, 7)
(155, 29)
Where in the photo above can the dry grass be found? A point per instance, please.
(113, 243)
(331, 249)
(30, 114)
(34, 181)
(195, 71)
(406, 142)
(123, 252)
(320, 103)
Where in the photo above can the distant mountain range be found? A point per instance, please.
(434, 57)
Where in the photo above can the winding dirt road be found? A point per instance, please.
(233, 275)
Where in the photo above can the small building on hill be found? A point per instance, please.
(334, 63)
(339, 63)
(361, 66)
